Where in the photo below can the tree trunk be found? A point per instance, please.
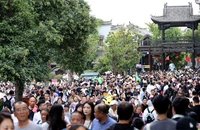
(70, 77)
(19, 89)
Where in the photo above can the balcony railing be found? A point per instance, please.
(178, 44)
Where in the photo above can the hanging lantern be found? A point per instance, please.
(177, 54)
(198, 55)
(187, 58)
(198, 59)
(156, 56)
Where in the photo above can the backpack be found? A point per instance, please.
(7, 103)
(149, 116)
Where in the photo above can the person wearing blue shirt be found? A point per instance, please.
(102, 121)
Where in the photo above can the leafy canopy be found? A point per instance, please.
(35, 32)
(120, 51)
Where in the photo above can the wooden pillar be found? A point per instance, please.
(163, 53)
(193, 48)
(149, 58)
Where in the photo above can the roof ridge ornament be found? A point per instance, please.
(197, 1)
(177, 16)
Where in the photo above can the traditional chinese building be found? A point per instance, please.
(174, 16)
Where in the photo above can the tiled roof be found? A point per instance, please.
(177, 14)
(106, 22)
(142, 31)
(116, 27)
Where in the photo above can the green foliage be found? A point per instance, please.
(103, 65)
(20, 59)
(121, 51)
(67, 24)
(177, 60)
(170, 34)
(173, 33)
(51, 75)
(153, 28)
(188, 33)
(33, 32)
(91, 53)
(58, 77)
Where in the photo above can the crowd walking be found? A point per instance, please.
(167, 100)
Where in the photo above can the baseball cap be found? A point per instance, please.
(113, 102)
(186, 123)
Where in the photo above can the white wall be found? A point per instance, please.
(104, 30)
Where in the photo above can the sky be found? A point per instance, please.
(137, 12)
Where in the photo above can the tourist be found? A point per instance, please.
(161, 105)
(102, 121)
(55, 119)
(6, 122)
(21, 111)
(88, 111)
(125, 112)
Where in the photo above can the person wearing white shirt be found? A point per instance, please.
(53, 96)
(37, 116)
(11, 98)
(150, 87)
(14, 118)
(151, 110)
(113, 109)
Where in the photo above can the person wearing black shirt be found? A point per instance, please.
(144, 104)
(124, 111)
(128, 94)
(196, 107)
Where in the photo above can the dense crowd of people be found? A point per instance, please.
(167, 100)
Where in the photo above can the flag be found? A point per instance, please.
(167, 58)
(137, 77)
(187, 58)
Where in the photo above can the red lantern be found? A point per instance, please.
(177, 54)
(198, 55)
(187, 58)
(156, 56)
(198, 59)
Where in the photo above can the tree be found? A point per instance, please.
(20, 59)
(153, 28)
(33, 32)
(120, 51)
(71, 23)
(93, 41)
(91, 53)
(188, 33)
(102, 65)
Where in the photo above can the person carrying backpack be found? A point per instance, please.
(9, 100)
(149, 115)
